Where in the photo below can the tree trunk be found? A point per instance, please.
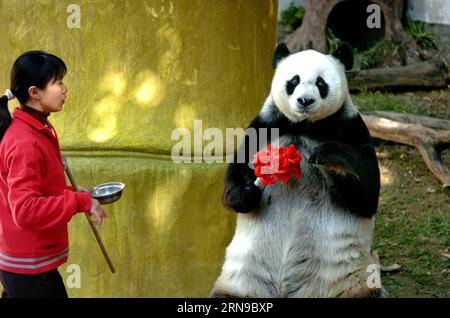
(312, 33)
(398, 47)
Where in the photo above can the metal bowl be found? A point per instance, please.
(107, 193)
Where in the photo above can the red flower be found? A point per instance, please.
(277, 163)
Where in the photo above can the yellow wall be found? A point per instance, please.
(136, 71)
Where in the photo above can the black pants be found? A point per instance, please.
(44, 285)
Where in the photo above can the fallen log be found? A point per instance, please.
(428, 74)
(426, 121)
(423, 133)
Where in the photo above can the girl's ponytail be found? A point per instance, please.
(5, 116)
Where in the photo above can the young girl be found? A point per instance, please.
(35, 202)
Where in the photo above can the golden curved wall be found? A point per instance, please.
(136, 71)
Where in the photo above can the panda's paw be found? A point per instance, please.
(242, 199)
(328, 158)
(326, 154)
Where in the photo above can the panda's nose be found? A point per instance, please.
(305, 101)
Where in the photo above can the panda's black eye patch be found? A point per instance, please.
(292, 84)
(322, 86)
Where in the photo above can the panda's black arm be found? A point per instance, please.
(240, 193)
(354, 180)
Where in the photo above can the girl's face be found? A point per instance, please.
(53, 96)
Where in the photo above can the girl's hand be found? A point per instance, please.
(97, 210)
(82, 189)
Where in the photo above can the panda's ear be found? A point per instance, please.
(280, 53)
(345, 55)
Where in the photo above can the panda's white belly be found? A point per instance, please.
(297, 244)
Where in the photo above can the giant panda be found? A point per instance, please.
(310, 237)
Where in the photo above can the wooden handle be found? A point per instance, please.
(91, 223)
(100, 243)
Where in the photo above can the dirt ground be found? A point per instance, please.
(413, 219)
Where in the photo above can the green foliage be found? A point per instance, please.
(369, 58)
(434, 104)
(363, 59)
(292, 17)
(377, 100)
(416, 29)
(332, 40)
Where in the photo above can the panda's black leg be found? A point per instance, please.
(240, 193)
(354, 177)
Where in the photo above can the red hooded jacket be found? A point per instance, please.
(35, 202)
